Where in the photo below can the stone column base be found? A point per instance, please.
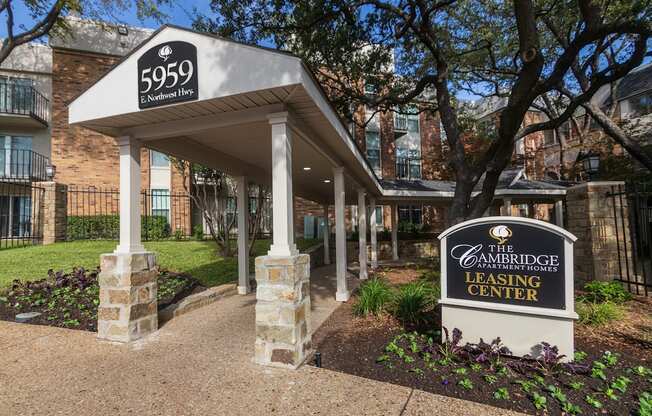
(128, 305)
(283, 311)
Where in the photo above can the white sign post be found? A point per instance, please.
(512, 278)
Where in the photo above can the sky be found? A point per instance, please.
(179, 14)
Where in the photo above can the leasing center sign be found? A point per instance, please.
(506, 262)
(512, 278)
(167, 74)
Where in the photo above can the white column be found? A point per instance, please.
(282, 211)
(372, 229)
(327, 237)
(394, 231)
(342, 294)
(362, 233)
(507, 206)
(129, 196)
(559, 213)
(242, 204)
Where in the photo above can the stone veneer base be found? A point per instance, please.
(283, 311)
(128, 304)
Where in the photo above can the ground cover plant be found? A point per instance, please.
(608, 374)
(71, 300)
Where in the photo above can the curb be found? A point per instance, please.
(196, 301)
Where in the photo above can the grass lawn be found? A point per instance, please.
(198, 258)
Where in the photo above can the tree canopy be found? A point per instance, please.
(48, 16)
(434, 50)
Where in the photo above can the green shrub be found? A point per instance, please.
(593, 313)
(375, 294)
(107, 227)
(413, 301)
(605, 292)
(198, 232)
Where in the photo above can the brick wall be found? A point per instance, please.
(432, 163)
(82, 157)
(590, 217)
(388, 145)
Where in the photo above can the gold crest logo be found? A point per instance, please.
(500, 233)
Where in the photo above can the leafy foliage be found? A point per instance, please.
(599, 292)
(597, 314)
(412, 303)
(70, 299)
(645, 404)
(375, 295)
(100, 227)
(501, 393)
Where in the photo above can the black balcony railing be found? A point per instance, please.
(23, 165)
(408, 168)
(23, 100)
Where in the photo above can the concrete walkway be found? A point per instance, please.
(197, 364)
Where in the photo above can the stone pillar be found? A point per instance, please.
(590, 217)
(128, 286)
(128, 305)
(283, 276)
(242, 204)
(342, 294)
(283, 310)
(53, 209)
(362, 233)
(327, 237)
(374, 237)
(394, 231)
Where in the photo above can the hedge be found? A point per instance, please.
(101, 227)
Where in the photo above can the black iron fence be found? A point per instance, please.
(93, 214)
(21, 214)
(632, 212)
(23, 164)
(17, 98)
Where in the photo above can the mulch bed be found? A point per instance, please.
(71, 300)
(354, 345)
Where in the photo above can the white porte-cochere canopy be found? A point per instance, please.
(227, 126)
(256, 114)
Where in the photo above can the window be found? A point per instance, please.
(640, 105)
(15, 156)
(409, 214)
(160, 160)
(408, 121)
(373, 150)
(161, 203)
(16, 94)
(565, 130)
(549, 137)
(379, 215)
(15, 216)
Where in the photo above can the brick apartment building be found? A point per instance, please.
(399, 147)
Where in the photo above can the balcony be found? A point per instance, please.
(23, 165)
(23, 106)
(408, 168)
